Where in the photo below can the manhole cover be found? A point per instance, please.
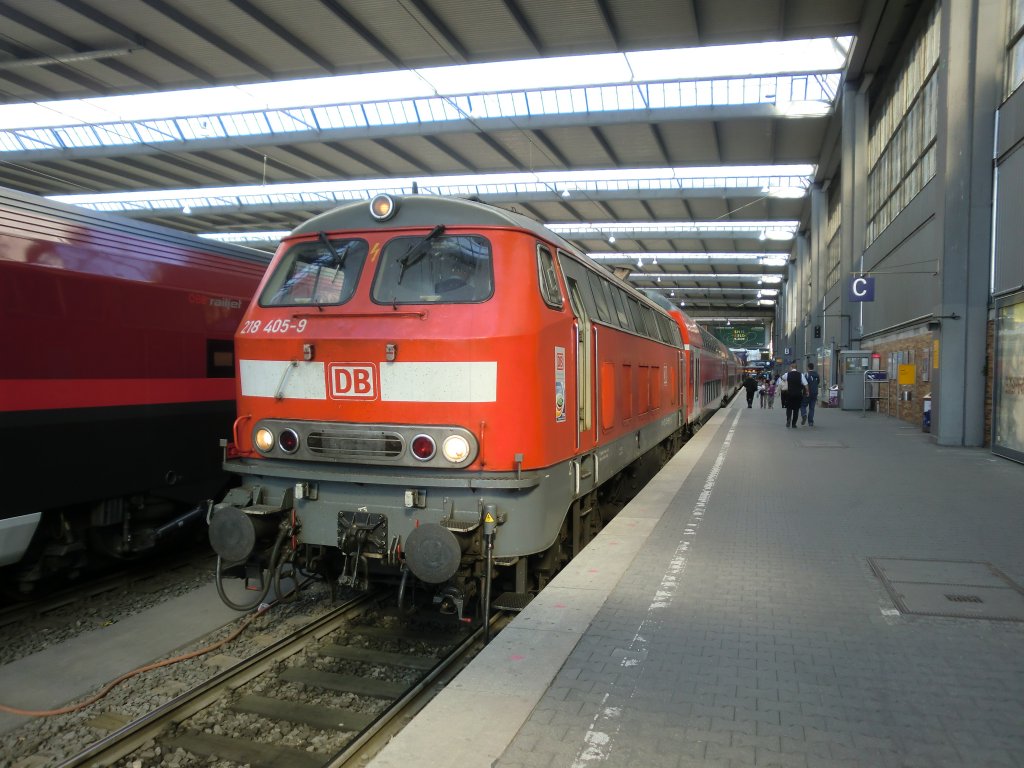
(964, 589)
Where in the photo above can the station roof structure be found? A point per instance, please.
(610, 124)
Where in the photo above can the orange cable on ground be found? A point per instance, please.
(111, 685)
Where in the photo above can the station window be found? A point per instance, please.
(901, 151)
(549, 289)
(1015, 47)
(440, 270)
(316, 272)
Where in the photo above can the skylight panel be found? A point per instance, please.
(553, 86)
(247, 124)
(803, 96)
(77, 136)
(153, 131)
(204, 127)
(41, 138)
(762, 181)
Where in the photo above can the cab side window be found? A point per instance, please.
(548, 278)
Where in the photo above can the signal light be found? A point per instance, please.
(289, 441)
(423, 447)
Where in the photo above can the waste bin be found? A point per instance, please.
(926, 415)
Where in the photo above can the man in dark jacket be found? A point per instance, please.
(808, 403)
(796, 388)
(751, 386)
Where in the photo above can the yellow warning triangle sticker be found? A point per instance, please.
(488, 518)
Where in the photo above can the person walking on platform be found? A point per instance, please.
(769, 387)
(811, 398)
(796, 388)
(751, 386)
(762, 391)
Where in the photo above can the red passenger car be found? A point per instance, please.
(118, 378)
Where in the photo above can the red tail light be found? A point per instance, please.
(423, 447)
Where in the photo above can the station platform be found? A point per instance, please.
(842, 595)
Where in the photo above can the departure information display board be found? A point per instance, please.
(740, 336)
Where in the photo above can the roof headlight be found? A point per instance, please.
(264, 439)
(383, 207)
(455, 448)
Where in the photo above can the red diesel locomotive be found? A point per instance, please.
(437, 388)
(118, 379)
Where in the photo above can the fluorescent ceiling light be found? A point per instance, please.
(246, 237)
(675, 257)
(786, 192)
(585, 227)
(695, 276)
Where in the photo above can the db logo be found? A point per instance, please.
(352, 381)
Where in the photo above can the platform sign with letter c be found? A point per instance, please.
(862, 288)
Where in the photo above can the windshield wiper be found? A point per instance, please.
(339, 258)
(338, 262)
(418, 251)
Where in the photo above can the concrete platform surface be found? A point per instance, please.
(758, 604)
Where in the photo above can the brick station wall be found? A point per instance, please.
(919, 351)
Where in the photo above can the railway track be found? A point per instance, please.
(369, 674)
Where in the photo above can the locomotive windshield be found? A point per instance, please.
(322, 272)
(441, 270)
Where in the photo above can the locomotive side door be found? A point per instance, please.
(581, 301)
(584, 346)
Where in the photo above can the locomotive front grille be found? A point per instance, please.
(356, 444)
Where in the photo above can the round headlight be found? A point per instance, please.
(423, 447)
(288, 441)
(383, 207)
(264, 439)
(455, 448)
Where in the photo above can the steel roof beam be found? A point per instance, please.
(360, 29)
(193, 26)
(301, 46)
(117, 27)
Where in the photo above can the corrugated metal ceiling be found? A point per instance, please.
(159, 45)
